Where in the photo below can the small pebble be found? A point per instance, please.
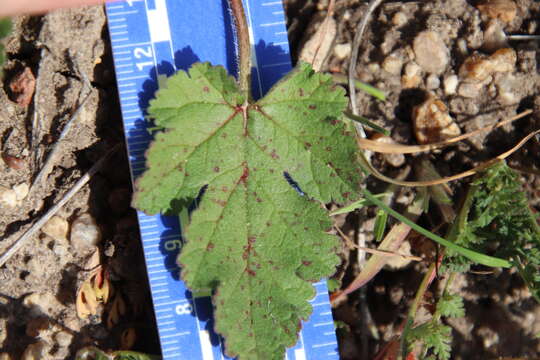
(8, 197)
(57, 228)
(507, 90)
(3, 330)
(342, 51)
(411, 77)
(40, 303)
(469, 90)
(22, 87)
(478, 67)
(433, 82)
(432, 122)
(13, 162)
(430, 52)
(494, 37)
(504, 10)
(36, 351)
(85, 232)
(393, 64)
(395, 160)
(450, 84)
(21, 191)
(63, 338)
(504, 60)
(399, 19)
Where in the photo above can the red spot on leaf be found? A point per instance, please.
(306, 263)
(259, 200)
(216, 169)
(312, 107)
(206, 89)
(245, 175)
(210, 246)
(274, 155)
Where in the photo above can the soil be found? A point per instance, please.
(68, 52)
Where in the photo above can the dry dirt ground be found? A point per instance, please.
(68, 53)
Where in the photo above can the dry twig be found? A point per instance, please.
(13, 248)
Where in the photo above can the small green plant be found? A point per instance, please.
(435, 336)
(496, 218)
(5, 30)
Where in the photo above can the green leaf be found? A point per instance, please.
(450, 305)
(253, 239)
(435, 336)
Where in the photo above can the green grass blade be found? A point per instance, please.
(380, 225)
(367, 122)
(472, 255)
(355, 205)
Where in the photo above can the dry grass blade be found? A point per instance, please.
(389, 245)
(329, 14)
(365, 162)
(380, 147)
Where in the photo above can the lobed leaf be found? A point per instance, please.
(254, 240)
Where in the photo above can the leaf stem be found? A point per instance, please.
(244, 47)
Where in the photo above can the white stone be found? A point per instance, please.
(450, 84)
(8, 197)
(63, 338)
(21, 191)
(411, 77)
(85, 232)
(393, 64)
(433, 82)
(430, 52)
(56, 227)
(399, 19)
(342, 51)
(469, 90)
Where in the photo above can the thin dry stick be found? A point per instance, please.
(52, 155)
(379, 147)
(36, 123)
(357, 41)
(373, 4)
(13, 248)
(351, 244)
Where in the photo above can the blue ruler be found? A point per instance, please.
(156, 37)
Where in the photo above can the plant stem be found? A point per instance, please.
(244, 47)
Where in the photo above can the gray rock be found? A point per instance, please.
(85, 232)
(431, 53)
